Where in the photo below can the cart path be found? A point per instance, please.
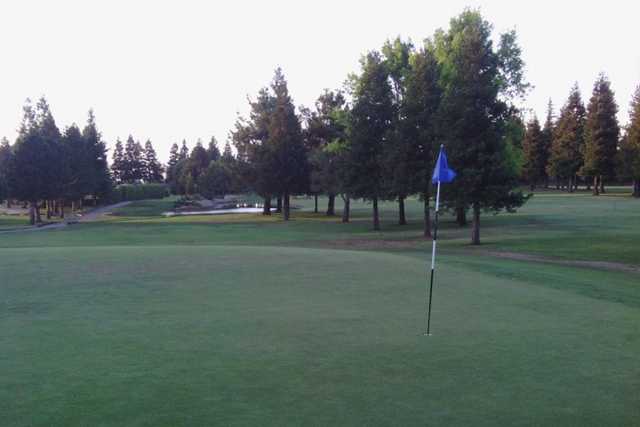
(90, 216)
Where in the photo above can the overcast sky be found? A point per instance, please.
(183, 69)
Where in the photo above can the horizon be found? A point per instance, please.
(179, 76)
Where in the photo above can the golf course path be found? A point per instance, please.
(90, 216)
(99, 213)
(601, 265)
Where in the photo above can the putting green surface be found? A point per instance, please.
(104, 324)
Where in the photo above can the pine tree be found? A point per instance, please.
(5, 161)
(227, 154)
(174, 158)
(398, 155)
(547, 140)
(322, 127)
(133, 164)
(477, 82)
(601, 135)
(371, 121)
(419, 111)
(566, 156)
(153, 168)
(118, 163)
(533, 148)
(213, 150)
(100, 179)
(77, 167)
(33, 170)
(285, 144)
(250, 137)
(184, 150)
(629, 156)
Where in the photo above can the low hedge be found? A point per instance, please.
(129, 192)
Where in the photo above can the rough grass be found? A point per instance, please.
(245, 320)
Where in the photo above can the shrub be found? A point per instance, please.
(129, 192)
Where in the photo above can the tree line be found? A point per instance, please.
(50, 167)
(376, 139)
(584, 144)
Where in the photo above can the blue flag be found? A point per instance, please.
(442, 173)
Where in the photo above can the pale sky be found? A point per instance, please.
(183, 69)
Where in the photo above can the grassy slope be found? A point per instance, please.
(242, 320)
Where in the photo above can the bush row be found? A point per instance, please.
(128, 192)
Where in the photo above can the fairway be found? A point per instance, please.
(229, 330)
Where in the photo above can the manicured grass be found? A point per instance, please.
(246, 320)
(8, 222)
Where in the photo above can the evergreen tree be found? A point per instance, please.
(32, 173)
(371, 121)
(5, 160)
(100, 179)
(533, 169)
(601, 135)
(118, 163)
(287, 151)
(153, 168)
(184, 150)
(629, 155)
(195, 166)
(133, 165)
(477, 83)
(419, 111)
(254, 160)
(398, 151)
(213, 150)
(566, 157)
(322, 127)
(77, 168)
(547, 141)
(227, 154)
(174, 158)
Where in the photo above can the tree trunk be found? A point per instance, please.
(48, 206)
(402, 218)
(427, 216)
(475, 231)
(636, 188)
(570, 186)
(331, 205)
(315, 203)
(266, 209)
(286, 206)
(32, 213)
(601, 185)
(376, 216)
(279, 204)
(38, 217)
(61, 208)
(595, 186)
(346, 211)
(461, 216)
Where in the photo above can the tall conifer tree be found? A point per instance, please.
(371, 119)
(566, 156)
(601, 135)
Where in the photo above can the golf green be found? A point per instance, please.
(273, 335)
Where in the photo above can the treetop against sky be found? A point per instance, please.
(167, 71)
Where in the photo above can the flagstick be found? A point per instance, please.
(433, 257)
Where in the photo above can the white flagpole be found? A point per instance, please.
(433, 258)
